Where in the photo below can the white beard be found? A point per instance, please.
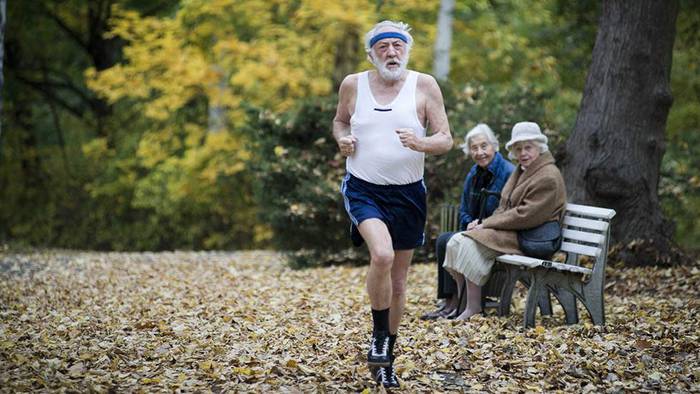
(391, 75)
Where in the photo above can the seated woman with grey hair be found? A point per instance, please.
(534, 194)
(490, 171)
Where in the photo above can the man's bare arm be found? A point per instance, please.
(441, 139)
(341, 122)
(346, 100)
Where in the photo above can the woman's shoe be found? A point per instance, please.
(453, 314)
(434, 314)
(461, 305)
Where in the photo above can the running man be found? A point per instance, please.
(380, 126)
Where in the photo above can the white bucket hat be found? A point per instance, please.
(526, 131)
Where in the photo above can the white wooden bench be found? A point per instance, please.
(586, 232)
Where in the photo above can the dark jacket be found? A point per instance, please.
(528, 199)
(500, 169)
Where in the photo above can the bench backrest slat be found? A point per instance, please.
(580, 249)
(593, 212)
(583, 236)
(449, 218)
(590, 224)
(586, 229)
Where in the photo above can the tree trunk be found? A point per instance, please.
(345, 58)
(443, 40)
(3, 14)
(613, 155)
(217, 112)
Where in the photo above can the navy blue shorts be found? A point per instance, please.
(401, 207)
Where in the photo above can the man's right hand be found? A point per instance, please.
(347, 145)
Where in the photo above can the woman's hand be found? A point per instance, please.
(473, 225)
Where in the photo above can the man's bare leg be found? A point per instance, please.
(399, 279)
(379, 288)
(376, 235)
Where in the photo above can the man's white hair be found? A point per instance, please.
(402, 27)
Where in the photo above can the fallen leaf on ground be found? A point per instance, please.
(244, 321)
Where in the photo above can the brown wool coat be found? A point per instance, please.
(528, 199)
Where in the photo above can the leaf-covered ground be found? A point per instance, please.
(245, 322)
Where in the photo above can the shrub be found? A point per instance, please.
(298, 171)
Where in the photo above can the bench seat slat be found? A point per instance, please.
(595, 212)
(597, 225)
(571, 268)
(575, 235)
(516, 259)
(529, 262)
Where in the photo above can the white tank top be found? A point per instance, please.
(379, 157)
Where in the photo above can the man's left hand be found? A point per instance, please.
(409, 139)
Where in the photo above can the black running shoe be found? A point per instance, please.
(378, 354)
(386, 377)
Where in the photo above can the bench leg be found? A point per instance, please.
(594, 303)
(511, 278)
(568, 303)
(570, 288)
(533, 296)
(545, 303)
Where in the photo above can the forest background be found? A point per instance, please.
(205, 124)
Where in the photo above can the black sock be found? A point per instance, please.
(392, 342)
(380, 320)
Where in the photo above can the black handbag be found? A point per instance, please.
(542, 241)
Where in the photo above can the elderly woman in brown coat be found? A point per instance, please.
(534, 194)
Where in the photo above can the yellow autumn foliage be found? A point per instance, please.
(272, 53)
(266, 53)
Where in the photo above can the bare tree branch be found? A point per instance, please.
(76, 36)
(50, 94)
(55, 79)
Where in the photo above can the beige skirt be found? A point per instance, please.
(470, 258)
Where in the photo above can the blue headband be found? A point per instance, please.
(389, 34)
